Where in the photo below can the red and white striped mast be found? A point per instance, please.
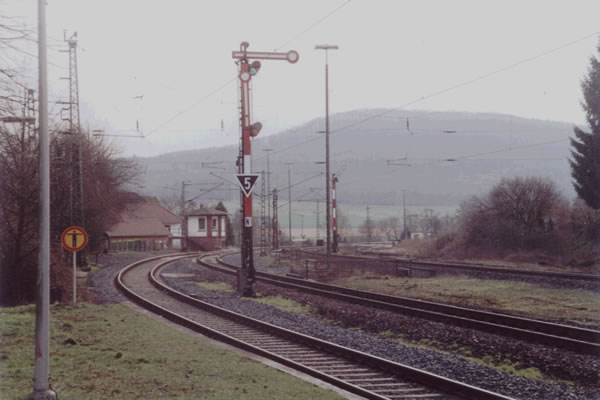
(334, 179)
(245, 176)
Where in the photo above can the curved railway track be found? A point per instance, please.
(357, 372)
(586, 341)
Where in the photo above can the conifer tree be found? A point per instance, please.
(585, 152)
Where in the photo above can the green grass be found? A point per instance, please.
(217, 286)
(577, 305)
(514, 368)
(283, 304)
(122, 354)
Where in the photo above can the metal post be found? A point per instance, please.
(74, 277)
(404, 214)
(42, 389)
(184, 233)
(335, 234)
(269, 224)
(289, 203)
(249, 130)
(275, 222)
(327, 175)
(327, 194)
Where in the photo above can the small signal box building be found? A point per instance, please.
(205, 229)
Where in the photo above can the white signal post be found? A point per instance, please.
(247, 70)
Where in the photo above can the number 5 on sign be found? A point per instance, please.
(247, 182)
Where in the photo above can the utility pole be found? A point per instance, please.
(302, 231)
(184, 231)
(289, 202)
(334, 180)
(263, 223)
(368, 225)
(404, 214)
(269, 224)
(318, 223)
(248, 130)
(327, 47)
(275, 222)
(41, 385)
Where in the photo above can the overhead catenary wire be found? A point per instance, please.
(313, 25)
(471, 81)
(445, 90)
(190, 107)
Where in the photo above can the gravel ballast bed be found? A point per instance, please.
(432, 361)
(100, 281)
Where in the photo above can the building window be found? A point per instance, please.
(202, 224)
(215, 227)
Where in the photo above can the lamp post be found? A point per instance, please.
(327, 47)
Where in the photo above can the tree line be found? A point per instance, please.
(104, 176)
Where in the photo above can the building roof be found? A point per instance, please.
(205, 211)
(143, 220)
(133, 227)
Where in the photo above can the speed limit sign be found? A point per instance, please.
(247, 182)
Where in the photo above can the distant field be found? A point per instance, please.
(112, 352)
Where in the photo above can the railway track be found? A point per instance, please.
(357, 372)
(445, 265)
(585, 341)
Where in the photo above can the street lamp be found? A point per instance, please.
(327, 47)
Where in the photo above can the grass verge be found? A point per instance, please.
(505, 365)
(113, 352)
(283, 304)
(575, 305)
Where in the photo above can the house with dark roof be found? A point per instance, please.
(204, 229)
(144, 225)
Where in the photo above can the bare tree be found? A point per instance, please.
(515, 214)
(391, 228)
(343, 225)
(430, 221)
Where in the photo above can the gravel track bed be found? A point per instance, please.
(557, 363)
(100, 281)
(544, 283)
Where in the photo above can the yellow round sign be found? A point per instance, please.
(74, 238)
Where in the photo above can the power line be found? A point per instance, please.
(448, 89)
(470, 81)
(301, 182)
(191, 106)
(314, 24)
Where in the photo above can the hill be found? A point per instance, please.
(440, 158)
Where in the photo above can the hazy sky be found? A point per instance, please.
(400, 54)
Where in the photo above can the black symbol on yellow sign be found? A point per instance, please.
(74, 238)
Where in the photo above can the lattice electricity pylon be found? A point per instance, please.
(263, 222)
(76, 212)
(275, 241)
(30, 114)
